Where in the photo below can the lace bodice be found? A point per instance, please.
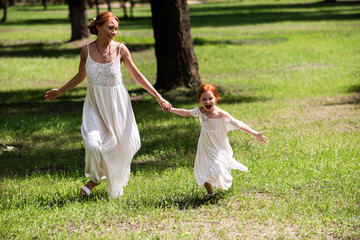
(103, 74)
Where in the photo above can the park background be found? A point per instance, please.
(290, 67)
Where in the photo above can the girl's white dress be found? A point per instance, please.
(214, 156)
(108, 127)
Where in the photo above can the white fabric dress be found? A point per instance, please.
(108, 127)
(214, 156)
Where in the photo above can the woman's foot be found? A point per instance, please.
(88, 188)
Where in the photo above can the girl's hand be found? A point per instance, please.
(52, 94)
(261, 139)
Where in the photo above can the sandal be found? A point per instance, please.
(209, 195)
(85, 191)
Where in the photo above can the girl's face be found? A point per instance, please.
(108, 30)
(208, 100)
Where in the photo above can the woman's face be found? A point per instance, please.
(108, 30)
(208, 100)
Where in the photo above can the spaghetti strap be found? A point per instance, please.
(87, 45)
(119, 49)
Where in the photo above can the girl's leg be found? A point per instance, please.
(208, 188)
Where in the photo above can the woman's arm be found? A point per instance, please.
(140, 79)
(181, 112)
(52, 94)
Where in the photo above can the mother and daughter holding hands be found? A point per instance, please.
(109, 128)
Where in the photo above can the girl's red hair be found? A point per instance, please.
(207, 87)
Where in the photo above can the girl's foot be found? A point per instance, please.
(209, 195)
(210, 192)
(87, 188)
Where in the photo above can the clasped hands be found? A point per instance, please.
(165, 105)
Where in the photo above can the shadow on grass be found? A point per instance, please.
(39, 49)
(354, 89)
(201, 16)
(185, 201)
(235, 14)
(232, 15)
(46, 136)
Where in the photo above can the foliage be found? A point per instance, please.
(288, 68)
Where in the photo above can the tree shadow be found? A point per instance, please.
(204, 15)
(183, 201)
(25, 116)
(232, 15)
(51, 50)
(228, 96)
(354, 89)
(29, 50)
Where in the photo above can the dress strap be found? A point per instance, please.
(119, 49)
(87, 45)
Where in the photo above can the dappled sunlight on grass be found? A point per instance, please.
(288, 68)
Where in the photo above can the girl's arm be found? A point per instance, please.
(140, 79)
(181, 112)
(242, 126)
(52, 94)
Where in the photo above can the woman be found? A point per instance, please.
(109, 128)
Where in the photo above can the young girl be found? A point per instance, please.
(214, 156)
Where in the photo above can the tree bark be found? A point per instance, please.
(177, 65)
(97, 7)
(123, 6)
(78, 18)
(4, 10)
(44, 3)
(109, 5)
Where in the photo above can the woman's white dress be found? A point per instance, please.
(108, 127)
(214, 156)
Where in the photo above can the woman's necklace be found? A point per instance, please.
(107, 56)
(103, 53)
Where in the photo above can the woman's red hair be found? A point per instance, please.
(207, 87)
(100, 19)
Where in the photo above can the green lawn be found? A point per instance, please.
(288, 67)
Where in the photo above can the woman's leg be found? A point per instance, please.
(90, 185)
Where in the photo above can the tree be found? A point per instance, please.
(109, 5)
(44, 3)
(78, 18)
(177, 65)
(123, 6)
(4, 5)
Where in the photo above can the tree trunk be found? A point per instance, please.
(44, 3)
(97, 7)
(90, 3)
(4, 10)
(177, 65)
(123, 6)
(78, 18)
(109, 5)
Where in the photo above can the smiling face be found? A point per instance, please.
(108, 30)
(208, 100)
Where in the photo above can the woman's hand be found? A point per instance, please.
(52, 94)
(165, 105)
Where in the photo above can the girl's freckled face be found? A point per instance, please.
(208, 100)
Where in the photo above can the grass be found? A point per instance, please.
(290, 68)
